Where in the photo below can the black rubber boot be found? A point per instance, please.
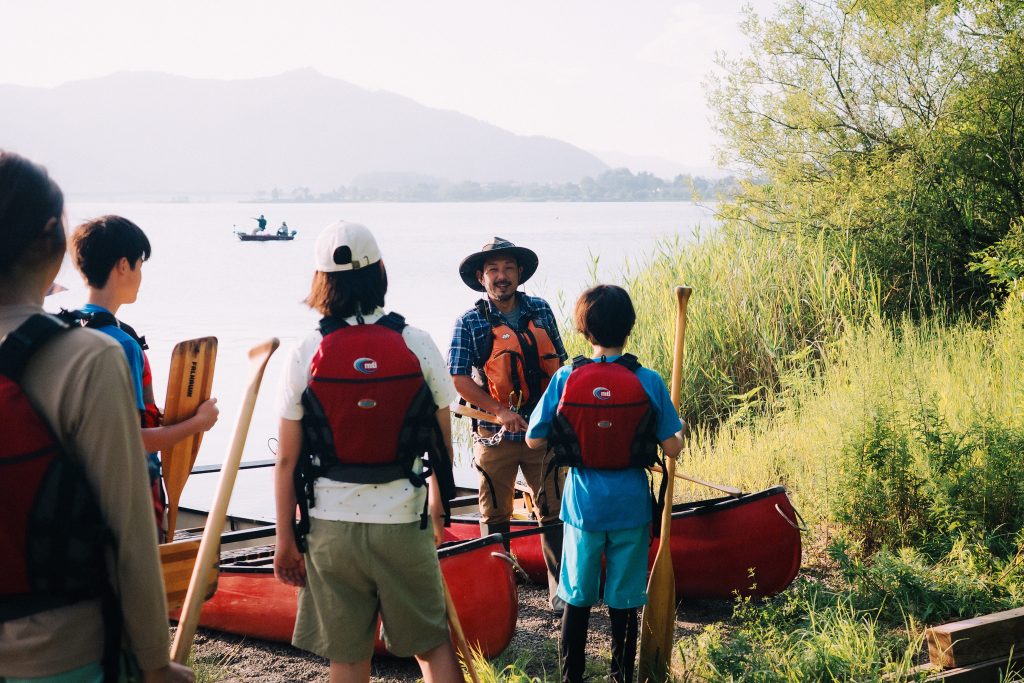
(624, 634)
(573, 652)
(551, 546)
(502, 528)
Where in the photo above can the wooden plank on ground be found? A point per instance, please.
(177, 560)
(976, 640)
(990, 671)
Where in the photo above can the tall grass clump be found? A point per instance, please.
(764, 305)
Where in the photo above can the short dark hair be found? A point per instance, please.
(29, 199)
(97, 246)
(604, 315)
(346, 293)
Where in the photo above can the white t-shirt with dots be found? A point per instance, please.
(394, 502)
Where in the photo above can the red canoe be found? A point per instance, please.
(722, 546)
(249, 601)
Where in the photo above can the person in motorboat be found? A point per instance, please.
(261, 225)
(283, 230)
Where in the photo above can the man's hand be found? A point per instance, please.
(289, 564)
(511, 421)
(172, 673)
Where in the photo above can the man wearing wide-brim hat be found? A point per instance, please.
(503, 353)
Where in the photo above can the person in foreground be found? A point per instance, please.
(109, 252)
(359, 408)
(76, 393)
(503, 352)
(604, 418)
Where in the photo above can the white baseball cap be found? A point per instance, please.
(345, 246)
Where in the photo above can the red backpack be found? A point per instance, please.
(368, 412)
(604, 419)
(53, 537)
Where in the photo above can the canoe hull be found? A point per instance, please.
(249, 601)
(720, 547)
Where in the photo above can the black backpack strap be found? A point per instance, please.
(393, 321)
(98, 319)
(18, 345)
(629, 361)
(580, 361)
(330, 324)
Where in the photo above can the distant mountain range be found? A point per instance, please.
(141, 133)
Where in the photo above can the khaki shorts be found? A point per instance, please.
(355, 571)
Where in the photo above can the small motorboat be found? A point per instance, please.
(720, 547)
(266, 236)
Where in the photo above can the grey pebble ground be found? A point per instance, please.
(534, 647)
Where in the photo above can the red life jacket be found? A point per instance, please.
(52, 533)
(604, 419)
(368, 412)
(520, 364)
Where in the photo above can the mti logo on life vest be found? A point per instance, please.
(367, 366)
(367, 403)
(506, 336)
(604, 424)
(602, 394)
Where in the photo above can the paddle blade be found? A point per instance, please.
(657, 629)
(189, 384)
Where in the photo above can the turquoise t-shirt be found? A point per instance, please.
(606, 500)
(132, 351)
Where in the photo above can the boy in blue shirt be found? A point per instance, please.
(109, 252)
(607, 426)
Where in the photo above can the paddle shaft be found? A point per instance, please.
(460, 637)
(209, 547)
(657, 627)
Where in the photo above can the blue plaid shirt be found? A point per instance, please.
(472, 337)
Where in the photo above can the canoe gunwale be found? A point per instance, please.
(679, 511)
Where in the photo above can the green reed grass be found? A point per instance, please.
(899, 436)
(762, 305)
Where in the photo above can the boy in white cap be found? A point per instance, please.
(359, 406)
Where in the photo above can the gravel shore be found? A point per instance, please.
(534, 647)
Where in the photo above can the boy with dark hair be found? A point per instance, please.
(605, 418)
(109, 252)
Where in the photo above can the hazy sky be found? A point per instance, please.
(601, 74)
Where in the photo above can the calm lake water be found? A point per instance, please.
(202, 281)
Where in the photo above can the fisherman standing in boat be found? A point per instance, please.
(503, 353)
(261, 225)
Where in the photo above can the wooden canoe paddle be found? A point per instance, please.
(657, 626)
(189, 383)
(209, 547)
(460, 637)
(467, 411)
